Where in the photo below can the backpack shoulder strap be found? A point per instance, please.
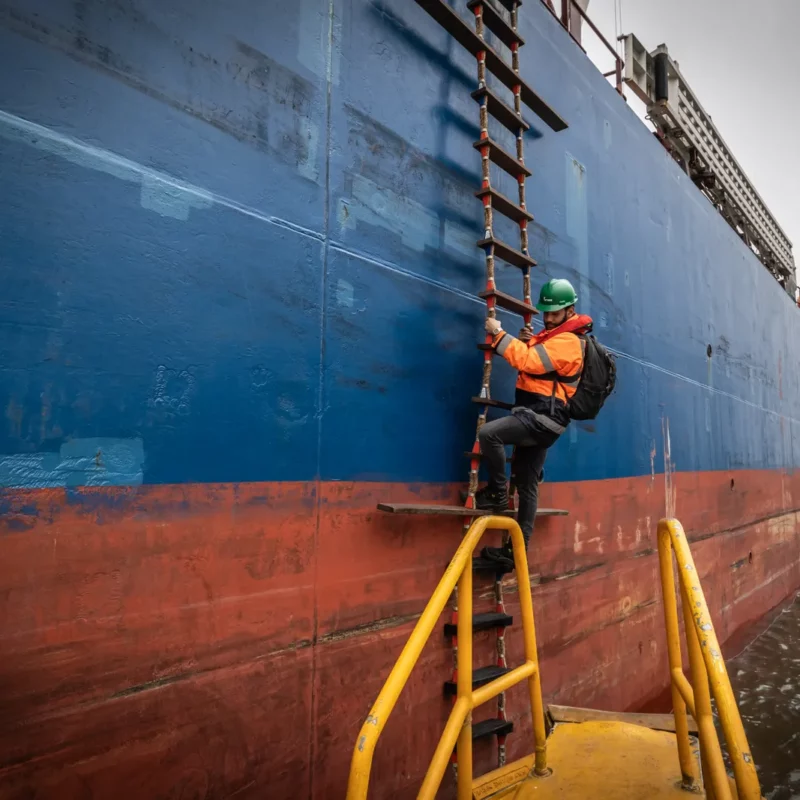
(552, 373)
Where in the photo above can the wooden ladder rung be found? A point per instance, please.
(482, 401)
(502, 112)
(496, 24)
(470, 40)
(503, 158)
(508, 253)
(508, 302)
(505, 206)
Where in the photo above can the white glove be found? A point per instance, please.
(493, 326)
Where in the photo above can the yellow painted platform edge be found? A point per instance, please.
(502, 778)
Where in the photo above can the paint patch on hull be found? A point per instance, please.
(79, 462)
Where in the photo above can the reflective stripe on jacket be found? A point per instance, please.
(560, 359)
(550, 359)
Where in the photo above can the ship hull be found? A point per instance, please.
(239, 309)
(222, 638)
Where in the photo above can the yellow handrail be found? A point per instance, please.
(458, 730)
(705, 661)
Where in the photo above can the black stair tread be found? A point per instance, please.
(509, 4)
(502, 158)
(505, 206)
(502, 112)
(483, 622)
(509, 303)
(439, 509)
(481, 564)
(470, 40)
(480, 677)
(482, 401)
(508, 253)
(496, 24)
(491, 727)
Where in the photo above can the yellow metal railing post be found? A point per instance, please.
(688, 775)
(707, 665)
(464, 683)
(531, 655)
(710, 751)
(458, 730)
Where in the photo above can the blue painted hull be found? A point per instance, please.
(238, 246)
(243, 256)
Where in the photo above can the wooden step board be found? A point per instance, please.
(480, 677)
(657, 722)
(491, 620)
(491, 727)
(458, 511)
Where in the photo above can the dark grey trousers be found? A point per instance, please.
(526, 469)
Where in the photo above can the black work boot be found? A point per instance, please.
(503, 556)
(488, 499)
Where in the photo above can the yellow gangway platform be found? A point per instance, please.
(610, 760)
(588, 755)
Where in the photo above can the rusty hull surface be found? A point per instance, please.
(227, 640)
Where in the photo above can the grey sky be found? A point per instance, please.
(741, 59)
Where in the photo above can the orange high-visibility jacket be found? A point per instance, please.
(550, 359)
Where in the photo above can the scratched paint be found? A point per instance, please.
(79, 462)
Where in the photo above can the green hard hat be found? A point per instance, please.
(556, 294)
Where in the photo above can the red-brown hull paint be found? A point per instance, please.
(214, 641)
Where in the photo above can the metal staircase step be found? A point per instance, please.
(480, 677)
(505, 206)
(482, 401)
(502, 112)
(458, 511)
(491, 727)
(483, 622)
(496, 24)
(470, 40)
(509, 303)
(503, 158)
(508, 253)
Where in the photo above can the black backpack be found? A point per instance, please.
(598, 378)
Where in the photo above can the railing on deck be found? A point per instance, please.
(705, 662)
(458, 730)
(565, 16)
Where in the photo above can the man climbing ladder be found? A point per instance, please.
(550, 365)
